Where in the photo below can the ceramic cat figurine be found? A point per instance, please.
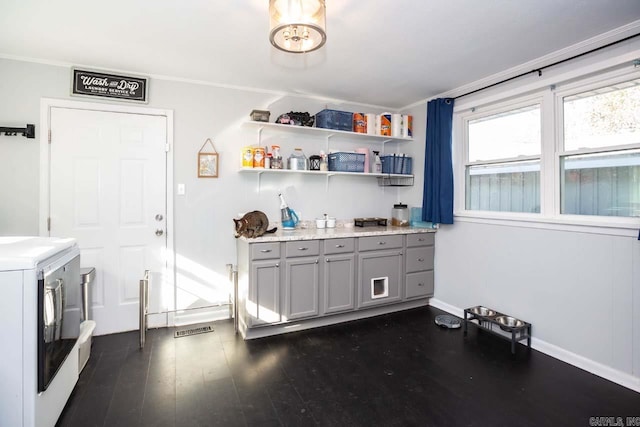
(253, 224)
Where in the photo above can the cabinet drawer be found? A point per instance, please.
(419, 284)
(302, 248)
(265, 250)
(420, 239)
(372, 243)
(338, 246)
(419, 259)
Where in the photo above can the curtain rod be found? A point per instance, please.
(539, 70)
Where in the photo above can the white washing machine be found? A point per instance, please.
(40, 317)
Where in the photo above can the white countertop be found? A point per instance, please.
(334, 233)
(25, 252)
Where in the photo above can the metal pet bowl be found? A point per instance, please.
(447, 321)
(483, 311)
(509, 322)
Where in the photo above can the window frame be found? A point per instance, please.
(551, 98)
(487, 111)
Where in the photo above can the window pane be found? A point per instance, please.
(601, 184)
(506, 187)
(505, 135)
(603, 118)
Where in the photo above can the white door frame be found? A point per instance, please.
(45, 177)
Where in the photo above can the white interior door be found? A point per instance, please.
(108, 190)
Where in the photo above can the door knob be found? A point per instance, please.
(159, 232)
(159, 217)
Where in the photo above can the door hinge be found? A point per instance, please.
(49, 136)
(49, 224)
(167, 147)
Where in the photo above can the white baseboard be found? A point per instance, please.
(624, 379)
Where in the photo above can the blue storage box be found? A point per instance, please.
(397, 164)
(334, 119)
(346, 162)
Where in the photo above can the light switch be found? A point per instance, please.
(181, 190)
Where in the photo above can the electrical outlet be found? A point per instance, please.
(181, 190)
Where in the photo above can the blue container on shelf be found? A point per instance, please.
(346, 162)
(334, 119)
(397, 164)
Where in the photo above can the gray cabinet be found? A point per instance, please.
(302, 279)
(293, 285)
(380, 275)
(263, 305)
(419, 266)
(339, 276)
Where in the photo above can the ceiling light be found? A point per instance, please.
(297, 26)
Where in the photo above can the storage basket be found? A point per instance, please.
(346, 162)
(397, 164)
(334, 119)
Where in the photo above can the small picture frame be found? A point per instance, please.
(207, 165)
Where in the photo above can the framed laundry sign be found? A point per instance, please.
(207, 161)
(106, 85)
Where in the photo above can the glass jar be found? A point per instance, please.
(400, 215)
(298, 161)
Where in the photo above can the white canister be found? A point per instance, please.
(407, 126)
(331, 222)
(321, 223)
(364, 151)
(370, 118)
(396, 125)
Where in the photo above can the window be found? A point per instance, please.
(566, 154)
(503, 160)
(600, 162)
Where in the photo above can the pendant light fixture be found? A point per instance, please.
(297, 26)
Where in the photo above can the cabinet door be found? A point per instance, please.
(301, 288)
(380, 274)
(419, 259)
(339, 283)
(263, 304)
(419, 284)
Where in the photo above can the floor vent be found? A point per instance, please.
(192, 331)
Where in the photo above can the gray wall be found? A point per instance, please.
(203, 234)
(581, 291)
(578, 285)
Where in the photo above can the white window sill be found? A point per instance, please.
(613, 226)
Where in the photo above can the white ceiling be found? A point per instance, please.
(390, 53)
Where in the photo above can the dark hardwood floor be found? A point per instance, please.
(394, 370)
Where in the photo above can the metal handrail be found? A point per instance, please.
(144, 307)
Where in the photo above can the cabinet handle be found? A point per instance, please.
(326, 260)
(303, 249)
(264, 251)
(421, 259)
(420, 239)
(316, 261)
(277, 264)
(420, 284)
(339, 246)
(382, 243)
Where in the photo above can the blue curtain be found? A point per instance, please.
(437, 195)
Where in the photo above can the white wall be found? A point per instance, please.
(203, 234)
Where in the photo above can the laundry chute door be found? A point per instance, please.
(108, 190)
